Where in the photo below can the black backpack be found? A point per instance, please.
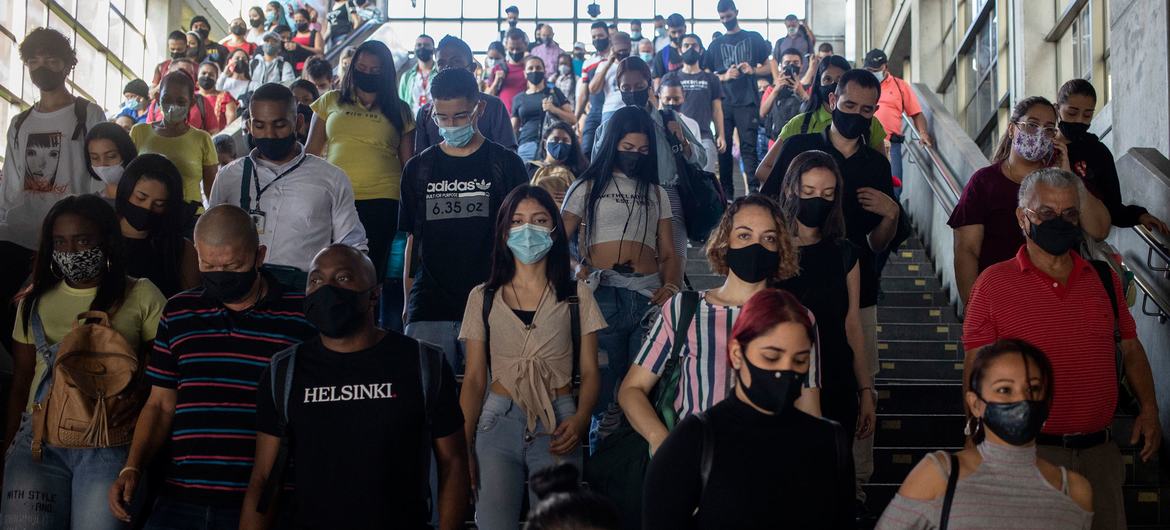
(699, 191)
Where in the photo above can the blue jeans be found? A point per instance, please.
(624, 311)
(527, 151)
(47, 494)
(170, 514)
(896, 167)
(445, 335)
(508, 454)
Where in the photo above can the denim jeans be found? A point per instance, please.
(527, 151)
(170, 514)
(896, 167)
(624, 311)
(47, 494)
(508, 454)
(445, 335)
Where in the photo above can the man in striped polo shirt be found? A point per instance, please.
(1053, 298)
(213, 344)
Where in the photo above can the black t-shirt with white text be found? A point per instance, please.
(732, 49)
(452, 214)
(357, 427)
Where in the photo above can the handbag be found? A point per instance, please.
(699, 191)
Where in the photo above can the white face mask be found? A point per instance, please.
(110, 175)
(880, 75)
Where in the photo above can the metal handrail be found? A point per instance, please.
(945, 187)
(1157, 246)
(1151, 293)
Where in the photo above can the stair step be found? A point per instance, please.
(888, 314)
(913, 299)
(909, 269)
(913, 243)
(927, 332)
(893, 283)
(920, 350)
(920, 370)
(695, 266)
(892, 464)
(926, 398)
(908, 255)
(919, 430)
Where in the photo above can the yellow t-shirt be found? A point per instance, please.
(136, 318)
(189, 152)
(364, 144)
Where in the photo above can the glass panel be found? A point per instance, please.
(34, 15)
(752, 9)
(401, 35)
(114, 42)
(136, 13)
(583, 35)
(114, 84)
(705, 29)
(90, 72)
(982, 107)
(668, 7)
(479, 34)
(59, 24)
(527, 11)
(556, 9)
(135, 55)
(120, 4)
(91, 16)
(10, 18)
(583, 9)
(437, 29)
(637, 10)
(706, 10)
(10, 72)
(562, 34)
(778, 9)
(409, 9)
(480, 9)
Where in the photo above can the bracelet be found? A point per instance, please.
(672, 287)
(129, 468)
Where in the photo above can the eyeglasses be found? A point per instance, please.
(458, 120)
(1032, 128)
(1071, 215)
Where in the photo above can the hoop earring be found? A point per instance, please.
(972, 426)
(55, 270)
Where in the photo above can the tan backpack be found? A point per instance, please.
(554, 178)
(93, 390)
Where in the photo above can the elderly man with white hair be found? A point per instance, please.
(1073, 310)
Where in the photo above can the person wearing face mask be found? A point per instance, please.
(212, 50)
(190, 149)
(1091, 159)
(547, 48)
(44, 159)
(153, 218)
(341, 20)
(198, 115)
(757, 436)
(984, 234)
(672, 97)
(396, 397)
(636, 30)
(565, 80)
(511, 18)
(604, 79)
(237, 39)
(298, 202)
(451, 195)
(221, 107)
(238, 312)
(256, 31)
(495, 56)
(176, 48)
(1009, 393)
(137, 99)
(305, 41)
(274, 15)
(737, 57)
(824, 51)
(367, 130)
(237, 77)
(645, 50)
(109, 149)
(415, 82)
(518, 330)
(534, 108)
(508, 78)
(1089, 343)
(783, 98)
(590, 102)
(562, 163)
(796, 37)
(494, 123)
(668, 57)
(271, 66)
(897, 99)
(829, 284)
(80, 267)
(703, 99)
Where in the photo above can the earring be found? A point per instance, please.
(972, 426)
(55, 270)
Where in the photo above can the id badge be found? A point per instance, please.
(258, 220)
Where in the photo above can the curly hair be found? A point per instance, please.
(48, 42)
(720, 240)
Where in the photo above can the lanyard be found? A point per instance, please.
(249, 175)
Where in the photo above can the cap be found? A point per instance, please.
(579, 45)
(137, 87)
(875, 58)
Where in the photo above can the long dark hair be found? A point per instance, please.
(599, 174)
(562, 504)
(576, 161)
(115, 133)
(391, 105)
(1000, 348)
(1005, 142)
(834, 227)
(557, 268)
(167, 237)
(112, 288)
(815, 101)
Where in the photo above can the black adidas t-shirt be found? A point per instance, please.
(356, 424)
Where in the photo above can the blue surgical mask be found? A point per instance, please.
(132, 104)
(648, 57)
(530, 243)
(457, 136)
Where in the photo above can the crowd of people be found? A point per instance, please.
(301, 335)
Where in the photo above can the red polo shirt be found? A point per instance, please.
(1071, 323)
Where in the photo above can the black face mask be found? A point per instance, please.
(228, 287)
(600, 45)
(336, 312)
(731, 24)
(850, 126)
(203, 33)
(239, 30)
(672, 108)
(255, 22)
(366, 82)
(1055, 236)
(138, 217)
(814, 211)
(1073, 130)
(302, 27)
(241, 66)
(206, 82)
(516, 56)
(629, 162)
(636, 98)
(535, 78)
(46, 79)
(691, 56)
(825, 90)
(1015, 423)
(676, 40)
(772, 390)
(179, 55)
(424, 54)
(273, 148)
(753, 263)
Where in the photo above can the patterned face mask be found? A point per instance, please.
(81, 266)
(1033, 147)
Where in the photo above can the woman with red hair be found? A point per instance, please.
(755, 460)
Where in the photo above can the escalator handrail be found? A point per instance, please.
(941, 181)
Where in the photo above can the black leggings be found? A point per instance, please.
(380, 219)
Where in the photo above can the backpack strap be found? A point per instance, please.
(804, 124)
(575, 331)
(80, 111)
(20, 119)
(949, 497)
(280, 373)
(245, 184)
(489, 299)
(707, 453)
(688, 310)
(1105, 273)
